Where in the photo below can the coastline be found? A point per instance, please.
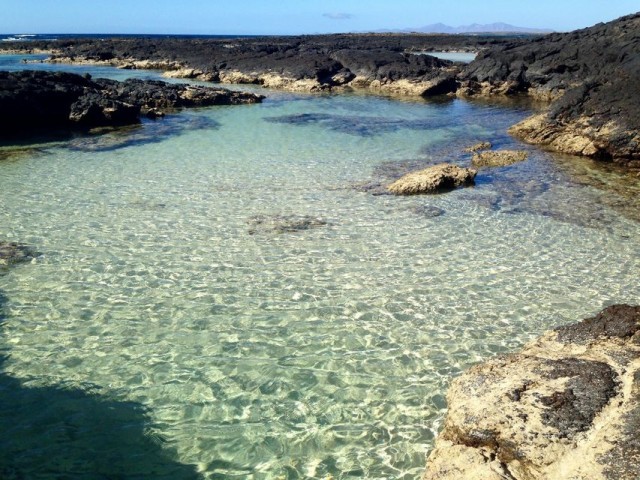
(576, 135)
(581, 86)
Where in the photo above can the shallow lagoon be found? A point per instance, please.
(169, 331)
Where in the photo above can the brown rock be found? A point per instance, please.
(477, 147)
(565, 407)
(498, 158)
(434, 179)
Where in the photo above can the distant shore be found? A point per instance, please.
(586, 77)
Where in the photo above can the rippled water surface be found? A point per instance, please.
(217, 298)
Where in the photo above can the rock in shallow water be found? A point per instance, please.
(12, 253)
(283, 223)
(559, 409)
(478, 146)
(434, 179)
(498, 158)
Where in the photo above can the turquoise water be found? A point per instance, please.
(178, 325)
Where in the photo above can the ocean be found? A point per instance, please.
(32, 37)
(219, 294)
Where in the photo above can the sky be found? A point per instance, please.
(285, 17)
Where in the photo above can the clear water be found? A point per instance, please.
(165, 332)
(464, 57)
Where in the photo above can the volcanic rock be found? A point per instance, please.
(477, 147)
(32, 99)
(590, 75)
(283, 223)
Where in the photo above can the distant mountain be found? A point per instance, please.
(477, 28)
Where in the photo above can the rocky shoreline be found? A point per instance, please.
(36, 99)
(588, 78)
(567, 406)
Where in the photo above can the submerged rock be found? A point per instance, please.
(498, 158)
(108, 138)
(358, 125)
(561, 408)
(478, 146)
(12, 253)
(428, 211)
(283, 223)
(434, 179)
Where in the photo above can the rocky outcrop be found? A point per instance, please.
(590, 75)
(439, 178)
(383, 63)
(565, 407)
(32, 99)
(498, 158)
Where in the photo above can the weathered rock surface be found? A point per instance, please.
(498, 158)
(478, 147)
(32, 99)
(439, 178)
(590, 75)
(566, 407)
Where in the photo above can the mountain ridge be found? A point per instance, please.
(497, 27)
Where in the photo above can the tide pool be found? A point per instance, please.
(218, 298)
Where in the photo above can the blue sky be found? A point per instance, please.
(295, 16)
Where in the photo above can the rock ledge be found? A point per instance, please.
(566, 407)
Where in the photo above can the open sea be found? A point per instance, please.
(219, 297)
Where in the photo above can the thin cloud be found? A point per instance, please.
(338, 16)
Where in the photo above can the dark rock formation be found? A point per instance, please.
(565, 407)
(32, 99)
(317, 62)
(617, 321)
(591, 74)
